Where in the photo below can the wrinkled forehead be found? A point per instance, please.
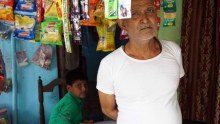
(136, 4)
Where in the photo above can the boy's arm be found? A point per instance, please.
(64, 115)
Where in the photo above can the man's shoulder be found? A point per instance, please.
(113, 55)
(170, 44)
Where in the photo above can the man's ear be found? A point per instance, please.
(121, 24)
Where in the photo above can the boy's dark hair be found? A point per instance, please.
(73, 75)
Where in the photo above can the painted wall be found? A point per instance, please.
(27, 86)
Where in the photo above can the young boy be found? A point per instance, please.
(69, 109)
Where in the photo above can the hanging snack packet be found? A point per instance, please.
(27, 6)
(6, 10)
(99, 11)
(87, 18)
(75, 21)
(101, 33)
(37, 31)
(24, 26)
(77, 29)
(51, 32)
(169, 19)
(84, 9)
(124, 9)
(21, 58)
(169, 5)
(100, 19)
(111, 9)
(59, 9)
(109, 42)
(50, 10)
(66, 21)
(43, 56)
(40, 11)
(75, 7)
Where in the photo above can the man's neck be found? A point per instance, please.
(142, 50)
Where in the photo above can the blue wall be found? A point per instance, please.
(27, 86)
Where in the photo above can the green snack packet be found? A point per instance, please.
(169, 5)
(51, 32)
(111, 9)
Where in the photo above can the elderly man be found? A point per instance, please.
(137, 83)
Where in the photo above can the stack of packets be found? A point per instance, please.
(169, 7)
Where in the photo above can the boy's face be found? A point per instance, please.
(78, 88)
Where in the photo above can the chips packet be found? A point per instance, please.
(109, 42)
(51, 32)
(24, 25)
(50, 10)
(6, 10)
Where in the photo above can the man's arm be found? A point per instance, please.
(108, 105)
